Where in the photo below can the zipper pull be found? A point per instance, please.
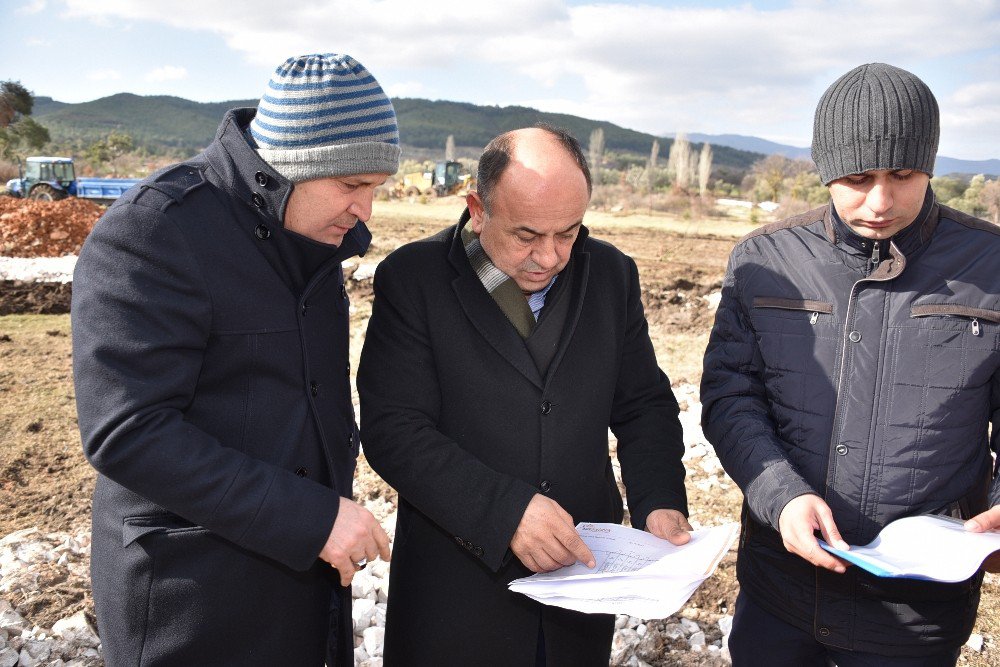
(875, 255)
(975, 327)
(815, 318)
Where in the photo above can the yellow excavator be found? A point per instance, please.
(446, 179)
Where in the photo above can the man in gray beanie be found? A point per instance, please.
(851, 380)
(210, 350)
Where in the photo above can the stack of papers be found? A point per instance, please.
(931, 547)
(636, 573)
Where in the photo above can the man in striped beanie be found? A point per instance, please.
(211, 362)
(851, 380)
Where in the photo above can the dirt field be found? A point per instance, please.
(45, 481)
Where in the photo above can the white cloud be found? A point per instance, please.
(167, 73)
(32, 7)
(37, 41)
(654, 67)
(405, 89)
(104, 75)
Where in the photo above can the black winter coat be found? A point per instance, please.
(214, 401)
(457, 417)
(873, 387)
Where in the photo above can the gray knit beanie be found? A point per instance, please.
(875, 117)
(325, 115)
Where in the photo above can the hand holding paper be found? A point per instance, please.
(988, 520)
(932, 547)
(636, 573)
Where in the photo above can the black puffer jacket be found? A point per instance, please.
(870, 384)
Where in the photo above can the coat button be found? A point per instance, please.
(262, 232)
(842, 449)
(855, 336)
(305, 307)
(350, 441)
(261, 178)
(824, 632)
(460, 541)
(258, 200)
(301, 472)
(314, 388)
(478, 551)
(546, 407)
(545, 486)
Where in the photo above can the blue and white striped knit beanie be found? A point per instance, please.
(325, 115)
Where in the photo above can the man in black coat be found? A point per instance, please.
(498, 354)
(210, 351)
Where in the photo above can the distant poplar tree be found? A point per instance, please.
(596, 152)
(654, 154)
(704, 168)
(449, 148)
(679, 161)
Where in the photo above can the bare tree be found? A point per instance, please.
(449, 148)
(654, 153)
(704, 168)
(680, 161)
(596, 153)
(989, 196)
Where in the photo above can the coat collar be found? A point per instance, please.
(903, 244)
(253, 184)
(490, 321)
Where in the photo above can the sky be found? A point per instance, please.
(662, 66)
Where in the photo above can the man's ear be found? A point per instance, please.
(476, 211)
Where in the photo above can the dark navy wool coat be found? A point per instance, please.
(214, 401)
(457, 417)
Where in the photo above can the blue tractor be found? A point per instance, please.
(52, 178)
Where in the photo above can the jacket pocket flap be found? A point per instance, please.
(955, 309)
(136, 527)
(810, 305)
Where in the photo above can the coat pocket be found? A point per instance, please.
(978, 320)
(812, 306)
(136, 527)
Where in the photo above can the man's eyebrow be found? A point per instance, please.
(529, 230)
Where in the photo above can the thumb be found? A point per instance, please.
(828, 528)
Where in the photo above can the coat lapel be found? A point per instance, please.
(581, 273)
(485, 314)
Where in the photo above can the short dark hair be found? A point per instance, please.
(497, 154)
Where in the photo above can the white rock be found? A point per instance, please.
(382, 590)
(77, 628)
(362, 586)
(624, 639)
(372, 662)
(641, 629)
(360, 655)
(634, 622)
(975, 642)
(10, 619)
(362, 613)
(620, 621)
(8, 657)
(379, 568)
(378, 620)
(673, 631)
(365, 271)
(689, 626)
(697, 639)
(374, 641)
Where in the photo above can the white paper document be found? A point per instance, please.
(636, 573)
(923, 547)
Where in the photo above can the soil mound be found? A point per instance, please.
(31, 228)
